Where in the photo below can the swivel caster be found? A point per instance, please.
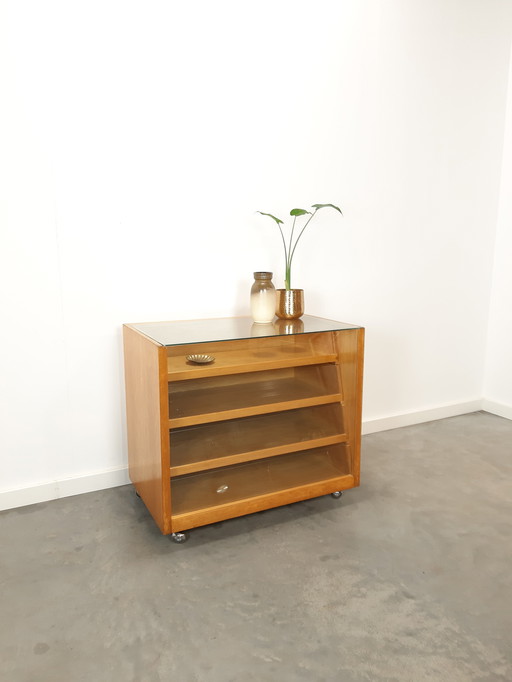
(337, 494)
(137, 494)
(179, 537)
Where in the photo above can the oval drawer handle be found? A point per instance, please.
(222, 488)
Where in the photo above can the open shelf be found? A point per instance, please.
(275, 419)
(218, 444)
(242, 361)
(201, 401)
(236, 490)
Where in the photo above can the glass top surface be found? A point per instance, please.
(232, 328)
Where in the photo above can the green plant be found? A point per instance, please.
(290, 249)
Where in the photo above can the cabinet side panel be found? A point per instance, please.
(350, 347)
(144, 421)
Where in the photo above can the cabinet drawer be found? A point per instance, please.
(225, 397)
(232, 491)
(250, 355)
(209, 446)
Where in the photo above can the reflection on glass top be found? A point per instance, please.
(232, 328)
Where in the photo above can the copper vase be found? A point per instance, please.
(290, 303)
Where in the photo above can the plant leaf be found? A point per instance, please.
(317, 206)
(299, 211)
(271, 216)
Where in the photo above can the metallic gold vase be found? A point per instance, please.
(290, 303)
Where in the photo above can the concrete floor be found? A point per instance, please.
(407, 578)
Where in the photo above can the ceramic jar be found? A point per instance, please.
(263, 298)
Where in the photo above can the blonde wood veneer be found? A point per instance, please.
(202, 517)
(253, 355)
(179, 369)
(147, 421)
(350, 345)
(280, 416)
(221, 398)
(219, 444)
(258, 485)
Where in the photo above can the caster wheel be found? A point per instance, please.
(179, 537)
(137, 494)
(337, 494)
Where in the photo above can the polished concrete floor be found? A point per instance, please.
(407, 578)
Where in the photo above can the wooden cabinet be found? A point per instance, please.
(274, 419)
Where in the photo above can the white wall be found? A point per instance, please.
(140, 139)
(498, 370)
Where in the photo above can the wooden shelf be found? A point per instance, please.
(275, 419)
(210, 400)
(243, 361)
(241, 489)
(220, 444)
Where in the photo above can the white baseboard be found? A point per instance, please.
(53, 490)
(411, 418)
(500, 409)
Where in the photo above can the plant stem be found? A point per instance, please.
(289, 262)
(297, 240)
(284, 245)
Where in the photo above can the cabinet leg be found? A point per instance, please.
(337, 494)
(179, 537)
